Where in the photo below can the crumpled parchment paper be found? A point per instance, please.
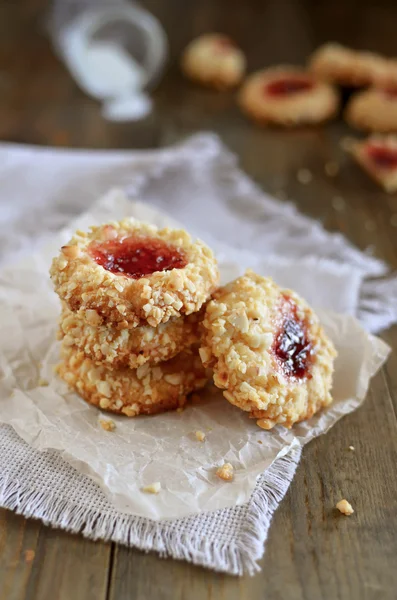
(161, 448)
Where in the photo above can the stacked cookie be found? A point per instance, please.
(138, 334)
(130, 323)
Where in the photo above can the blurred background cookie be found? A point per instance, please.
(287, 95)
(377, 155)
(373, 109)
(214, 60)
(338, 64)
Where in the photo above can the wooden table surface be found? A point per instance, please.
(312, 553)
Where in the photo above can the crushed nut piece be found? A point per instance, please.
(153, 488)
(43, 382)
(200, 436)
(345, 507)
(304, 176)
(331, 168)
(351, 448)
(107, 424)
(29, 555)
(71, 252)
(225, 472)
(260, 442)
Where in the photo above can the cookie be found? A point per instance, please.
(268, 351)
(338, 64)
(130, 347)
(377, 155)
(125, 274)
(373, 109)
(287, 96)
(145, 391)
(214, 60)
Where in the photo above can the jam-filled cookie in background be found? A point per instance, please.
(132, 392)
(117, 348)
(268, 351)
(127, 273)
(287, 96)
(377, 155)
(373, 109)
(338, 64)
(214, 60)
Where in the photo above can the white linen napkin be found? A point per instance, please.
(46, 189)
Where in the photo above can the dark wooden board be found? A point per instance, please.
(313, 552)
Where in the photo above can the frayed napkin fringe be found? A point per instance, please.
(235, 557)
(377, 307)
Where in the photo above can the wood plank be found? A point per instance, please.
(41, 563)
(313, 551)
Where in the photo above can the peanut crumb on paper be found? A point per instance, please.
(345, 507)
(225, 472)
(351, 448)
(260, 442)
(304, 176)
(107, 424)
(43, 382)
(29, 555)
(200, 436)
(153, 488)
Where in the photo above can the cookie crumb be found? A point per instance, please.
(200, 436)
(107, 424)
(345, 507)
(331, 168)
(225, 472)
(43, 382)
(153, 488)
(351, 448)
(304, 176)
(338, 203)
(29, 555)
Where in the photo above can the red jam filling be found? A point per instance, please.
(136, 257)
(383, 157)
(292, 346)
(288, 85)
